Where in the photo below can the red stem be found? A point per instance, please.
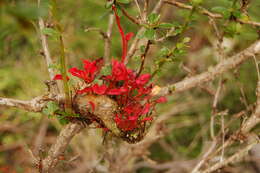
(124, 41)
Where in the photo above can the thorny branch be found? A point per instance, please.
(45, 46)
(207, 12)
(107, 38)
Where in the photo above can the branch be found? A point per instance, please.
(213, 72)
(130, 17)
(107, 47)
(207, 13)
(34, 105)
(234, 158)
(45, 46)
(57, 149)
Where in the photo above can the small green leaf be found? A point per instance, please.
(237, 13)
(51, 32)
(180, 45)
(98, 81)
(196, 2)
(164, 51)
(137, 58)
(50, 108)
(123, 1)
(106, 70)
(224, 11)
(55, 66)
(186, 40)
(149, 34)
(153, 18)
(142, 48)
(109, 4)
(63, 120)
(166, 25)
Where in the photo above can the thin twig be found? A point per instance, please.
(139, 10)
(40, 136)
(146, 3)
(207, 12)
(232, 159)
(204, 157)
(143, 56)
(107, 38)
(134, 20)
(101, 32)
(45, 47)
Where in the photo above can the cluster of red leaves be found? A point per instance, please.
(131, 92)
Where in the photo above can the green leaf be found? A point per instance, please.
(98, 81)
(142, 48)
(123, 1)
(55, 66)
(137, 58)
(180, 45)
(164, 51)
(237, 13)
(106, 70)
(50, 108)
(224, 11)
(51, 32)
(153, 18)
(109, 4)
(63, 120)
(186, 40)
(149, 34)
(166, 25)
(232, 29)
(196, 2)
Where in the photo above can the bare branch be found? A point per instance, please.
(130, 17)
(34, 105)
(63, 140)
(107, 48)
(204, 157)
(45, 46)
(234, 158)
(207, 13)
(39, 139)
(212, 72)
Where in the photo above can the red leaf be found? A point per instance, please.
(114, 91)
(143, 79)
(85, 90)
(146, 108)
(119, 71)
(99, 89)
(92, 105)
(161, 100)
(147, 119)
(128, 36)
(59, 77)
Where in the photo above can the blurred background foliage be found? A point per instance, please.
(23, 70)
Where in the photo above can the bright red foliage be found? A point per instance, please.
(131, 91)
